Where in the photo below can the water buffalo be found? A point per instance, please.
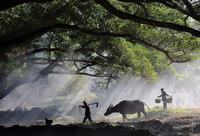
(127, 107)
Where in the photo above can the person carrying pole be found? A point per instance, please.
(87, 111)
(164, 98)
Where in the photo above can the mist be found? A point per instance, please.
(60, 95)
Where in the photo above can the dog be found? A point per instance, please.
(48, 122)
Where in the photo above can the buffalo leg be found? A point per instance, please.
(165, 105)
(84, 120)
(139, 115)
(124, 117)
(145, 114)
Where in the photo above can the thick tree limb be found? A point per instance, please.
(55, 28)
(138, 19)
(189, 11)
(67, 27)
(5, 4)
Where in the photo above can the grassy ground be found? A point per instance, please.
(176, 121)
(158, 113)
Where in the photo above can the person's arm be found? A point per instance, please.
(81, 106)
(160, 95)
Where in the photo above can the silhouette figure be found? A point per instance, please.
(164, 98)
(87, 112)
(48, 122)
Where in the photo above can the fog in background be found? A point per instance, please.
(60, 95)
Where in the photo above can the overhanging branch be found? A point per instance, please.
(5, 4)
(66, 27)
(123, 15)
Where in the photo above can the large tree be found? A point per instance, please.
(98, 38)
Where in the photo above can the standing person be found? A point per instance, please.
(87, 112)
(164, 98)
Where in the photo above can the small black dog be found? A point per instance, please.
(48, 122)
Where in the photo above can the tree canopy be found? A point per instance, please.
(100, 38)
